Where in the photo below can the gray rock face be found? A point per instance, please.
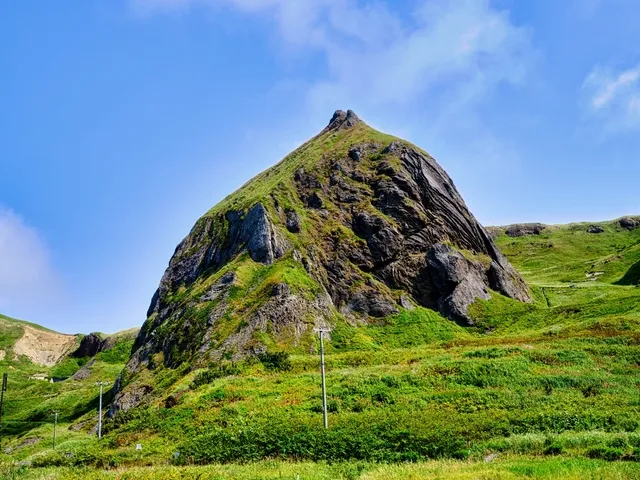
(629, 223)
(405, 302)
(523, 229)
(459, 282)
(128, 399)
(210, 245)
(595, 229)
(90, 345)
(418, 208)
(370, 302)
(341, 120)
(85, 371)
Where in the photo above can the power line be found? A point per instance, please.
(25, 421)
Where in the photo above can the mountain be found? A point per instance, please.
(438, 348)
(352, 227)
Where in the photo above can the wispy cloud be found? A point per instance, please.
(612, 99)
(375, 56)
(425, 74)
(28, 281)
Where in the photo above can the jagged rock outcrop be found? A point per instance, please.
(90, 345)
(351, 227)
(595, 229)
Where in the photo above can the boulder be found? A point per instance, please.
(629, 223)
(524, 229)
(293, 222)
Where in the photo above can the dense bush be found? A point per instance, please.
(277, 361)
(382, 442)
(553, 447)
(606, 453)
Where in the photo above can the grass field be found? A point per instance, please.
(507, 468)
(549, 390)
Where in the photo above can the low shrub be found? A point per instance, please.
(210, 375)
(277, 361)
(554, 448)
(606, 453)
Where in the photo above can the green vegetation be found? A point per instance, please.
(568, 254)
(308, 156)
(548, 389)
(29, 403)
(508, 468)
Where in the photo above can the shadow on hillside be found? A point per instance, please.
(632, 277)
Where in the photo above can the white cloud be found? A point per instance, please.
(612, 99)
(27, 278)
(375, 57)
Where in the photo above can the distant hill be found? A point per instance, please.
(607, 252)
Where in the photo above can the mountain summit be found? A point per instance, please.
(353, 226)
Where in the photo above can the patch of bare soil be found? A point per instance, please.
(42, 347)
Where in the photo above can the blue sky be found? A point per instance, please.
(122, 121)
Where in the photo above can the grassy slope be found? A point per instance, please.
(509, 468)
(558, 377)
(568, 254)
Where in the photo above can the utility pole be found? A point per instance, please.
(55, 424)
(100, 409)
(4, 389)
(322, 331)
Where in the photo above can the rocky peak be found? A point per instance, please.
(342, 119)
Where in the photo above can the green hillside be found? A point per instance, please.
(546, 390)
(31, 398)
(563, 254)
